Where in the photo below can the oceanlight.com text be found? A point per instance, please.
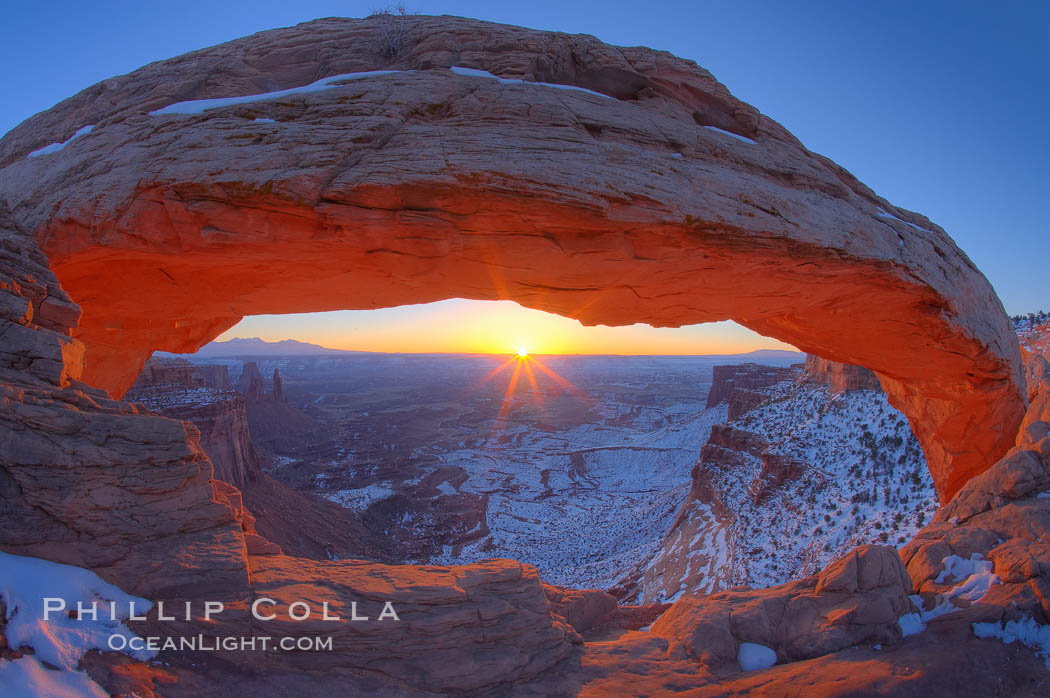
(231, 643)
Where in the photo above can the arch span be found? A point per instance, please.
(649, 195)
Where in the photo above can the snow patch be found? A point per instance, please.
(60, 641)
(199, 106)
(28, 678)
(977, 579)
(475, 73)
(882, 213)
(911, 624)
(1031, 634)
(447, 488)
(362, 497)
(745, 139)
(55, 147)
(753, 656)
(975, 586)
(956, 568)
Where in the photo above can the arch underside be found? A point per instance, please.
(425, 184)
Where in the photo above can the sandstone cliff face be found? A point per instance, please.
(250, 382)
(740, 386)
(174, 372)
(125, 507)
(178, 390)
(276, 425)
(217, 377)
(840, 377)
(299, 524)
(385, 189)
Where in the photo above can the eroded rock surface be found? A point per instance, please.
(108, 485)
(857, 599)
(838, 376)
(655, 196)
(740, 385)
(179, 390)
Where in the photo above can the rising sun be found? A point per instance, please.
(523, 353)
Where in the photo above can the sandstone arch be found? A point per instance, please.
(662, 199)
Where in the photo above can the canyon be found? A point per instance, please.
(449, 468)
(613, 185)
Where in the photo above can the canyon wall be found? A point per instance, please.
(179, 389)
(840, 377)
(740, 386)
(805, 468)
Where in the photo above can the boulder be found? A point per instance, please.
(583, 609)
(856, 599)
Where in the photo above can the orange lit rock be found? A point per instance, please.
(840, 377)
(424, 184)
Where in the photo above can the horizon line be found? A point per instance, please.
(480, 353)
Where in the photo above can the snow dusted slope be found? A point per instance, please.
(788, 487)
(1033, 332)
(582, 504)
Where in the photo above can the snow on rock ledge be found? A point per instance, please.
(39, 596)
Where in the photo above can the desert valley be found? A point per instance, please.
(583, 467)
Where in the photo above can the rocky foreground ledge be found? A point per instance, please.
(103, 484)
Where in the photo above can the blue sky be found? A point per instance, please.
(939, 106)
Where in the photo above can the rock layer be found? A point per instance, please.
(177, 389)
(840, 377)
(740, 385)
(661, 199)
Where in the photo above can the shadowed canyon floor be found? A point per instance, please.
(162, 225)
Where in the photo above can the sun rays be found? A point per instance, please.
(522, 364)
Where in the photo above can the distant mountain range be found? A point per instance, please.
(762, 355)
(253, 346)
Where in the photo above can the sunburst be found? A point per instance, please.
(525, 363)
